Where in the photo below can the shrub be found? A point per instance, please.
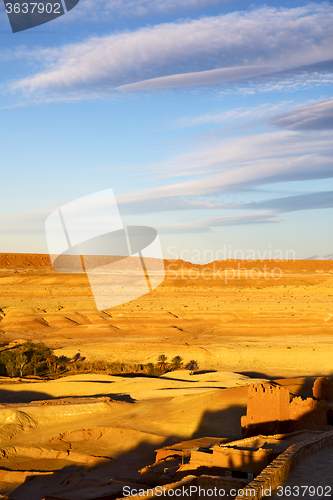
(29, 358)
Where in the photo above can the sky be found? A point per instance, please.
(211, 120)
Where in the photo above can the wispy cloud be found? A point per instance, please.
(231, 181)
(231, 166)
(309, 201)
(213, 76)
(239, 165)
(22, 223)
(298, 79)
(233, 114)
(226, 43)
(272, 150)
(316, 117)
(204, 225)
(262, 173)
(264, 212)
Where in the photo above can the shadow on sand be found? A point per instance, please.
(93, 482)
(24, 397)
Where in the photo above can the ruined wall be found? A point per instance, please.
(202, 458)
(244, 460)
(267, 408)
(230, 458)
(164, 453)
(279, 469)
(308, 413)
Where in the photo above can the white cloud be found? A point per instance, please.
(205, 224)
(232, 154)
(292, 38)
(236, 165)
(285, 81)
(309, 201)
(230, 167)
(307, 167)
(213, 76)
(233, 114)
(316, 117)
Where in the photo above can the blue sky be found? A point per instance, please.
(210, 119)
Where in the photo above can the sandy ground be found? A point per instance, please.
(277, 327)
(61, 436)
(87, 432)
(107, 437)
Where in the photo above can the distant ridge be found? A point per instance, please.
(42, 261)
(317, 257)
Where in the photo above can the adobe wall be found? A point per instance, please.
(269, 410)
(278, 470)
(267, 405)
(162, 453)
(231, 458)
(202, 458)
(244, 460)
(308, 412)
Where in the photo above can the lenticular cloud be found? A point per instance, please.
(101, 64)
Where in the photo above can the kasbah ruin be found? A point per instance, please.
(277, 430)
(254, 420)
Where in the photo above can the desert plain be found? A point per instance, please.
(242, 321)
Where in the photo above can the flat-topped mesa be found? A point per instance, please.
(70, 263)
(24, 260)
(13, 260)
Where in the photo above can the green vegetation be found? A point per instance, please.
(192, 365)
(162, 363)
(28, 359)
(151, 369)
(39, 360)
(177, 363)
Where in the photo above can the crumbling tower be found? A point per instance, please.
(267, 410)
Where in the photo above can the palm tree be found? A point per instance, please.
(161, 362)
(193, 366)
(177, 363)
